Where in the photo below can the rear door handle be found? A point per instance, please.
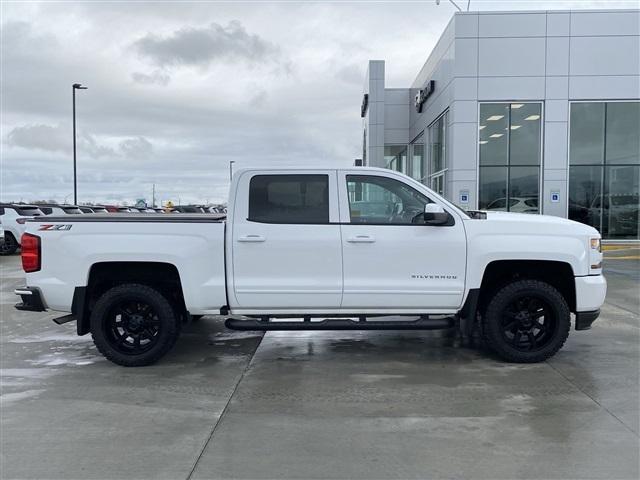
(361, 239)
(251, 238)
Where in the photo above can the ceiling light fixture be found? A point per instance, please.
(533, 117)
(496, 135)
(517, 105)
(515, 127)
(481, 127)
(482, 142)
(494, 118)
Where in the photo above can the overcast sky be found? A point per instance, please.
(178, 90)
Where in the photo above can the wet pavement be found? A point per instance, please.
(321, 404)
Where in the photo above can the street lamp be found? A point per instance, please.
(74, 87)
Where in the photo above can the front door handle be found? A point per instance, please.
(251, 238)
(361, 239)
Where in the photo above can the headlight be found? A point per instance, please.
(595, 244)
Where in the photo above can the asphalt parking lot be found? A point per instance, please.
(364, 405)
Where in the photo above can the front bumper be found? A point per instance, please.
(590, 292)
(31, 299)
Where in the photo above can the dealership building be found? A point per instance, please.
(535, 112)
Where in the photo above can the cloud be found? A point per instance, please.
(192, 46)
(40, 137)
(156, 77)
(136, 148)
(49, 138)
(59, 139)
(89, 145)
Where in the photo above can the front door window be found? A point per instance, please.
(383, 200)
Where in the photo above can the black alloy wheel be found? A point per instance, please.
(134, 325)
(526, 321)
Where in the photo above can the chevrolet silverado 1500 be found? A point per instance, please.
(338, 249)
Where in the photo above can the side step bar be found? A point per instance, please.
(341, 324)
(66, 319)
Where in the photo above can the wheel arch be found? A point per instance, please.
(499, 273)
(162, 276)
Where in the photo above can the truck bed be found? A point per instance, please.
(73, 245)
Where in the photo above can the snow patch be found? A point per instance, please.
(223, 336)
(51, 338)
(6, 398)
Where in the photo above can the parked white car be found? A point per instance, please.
(62, 209)
(295, 244)
(516, 205)
(13, 217)
(92, 209)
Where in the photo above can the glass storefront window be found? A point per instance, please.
(524, 134)
(585, 192)
(395, 157)
(494, 138)
(417, 159)
(524, 189)
(622, 133)
(438, 132)
(510, 156)
(621, 201)
(604, 172)
(493, 188)
(587, 140)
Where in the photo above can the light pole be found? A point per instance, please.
(74, 87)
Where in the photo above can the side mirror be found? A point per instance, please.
(434, 214)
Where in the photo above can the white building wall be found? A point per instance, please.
(374, 120)
(551, 56)
(396, 115)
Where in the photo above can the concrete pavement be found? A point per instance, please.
(321, 404)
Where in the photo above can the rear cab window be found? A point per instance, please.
(289, 199)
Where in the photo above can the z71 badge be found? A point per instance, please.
(55, 227)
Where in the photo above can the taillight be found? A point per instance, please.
(31, 255)
(21, 220)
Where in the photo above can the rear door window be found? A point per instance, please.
(289, 199)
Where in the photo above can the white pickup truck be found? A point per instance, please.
(336, 249)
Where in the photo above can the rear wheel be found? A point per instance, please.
(9, 246)
(526, 321)
(134, 325)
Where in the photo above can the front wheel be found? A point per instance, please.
(526, 321)
(134, 325)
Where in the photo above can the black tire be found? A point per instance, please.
(9, 246)
(526, 321)
(134, 325)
